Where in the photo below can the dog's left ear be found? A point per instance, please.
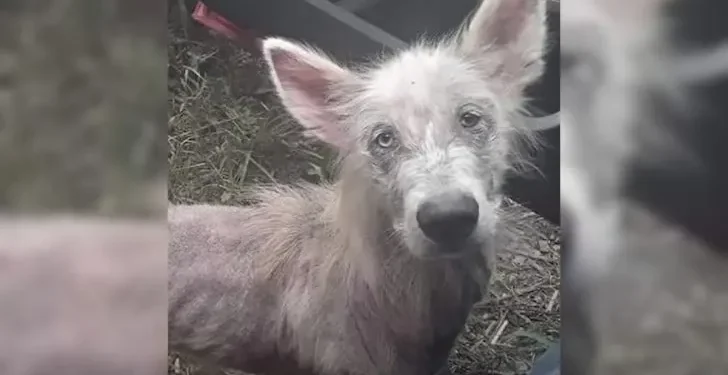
(509, 37)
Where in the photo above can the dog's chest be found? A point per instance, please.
(404, 335)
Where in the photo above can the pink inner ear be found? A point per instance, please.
(300, 76)
(509, 20)
(307, 93)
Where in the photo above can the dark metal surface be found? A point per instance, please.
(319, 22)
(411, 19)
(355, 6)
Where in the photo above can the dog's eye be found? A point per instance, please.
(470, 118)
(385, 139)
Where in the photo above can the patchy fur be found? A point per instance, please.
(341, 278)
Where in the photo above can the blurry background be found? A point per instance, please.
(82, 105)
(82, 131)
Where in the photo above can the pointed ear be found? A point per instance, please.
(308, 84)
(511, 34)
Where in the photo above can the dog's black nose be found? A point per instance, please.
(449, 218)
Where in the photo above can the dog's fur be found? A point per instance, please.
(339, 279)
(645, 280)
(82, 295)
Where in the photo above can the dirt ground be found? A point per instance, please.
(228, 132)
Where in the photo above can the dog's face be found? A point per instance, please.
(431, 127)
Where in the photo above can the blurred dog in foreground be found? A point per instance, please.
(82, 296)
(646, 265)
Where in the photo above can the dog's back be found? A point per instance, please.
(229, 268)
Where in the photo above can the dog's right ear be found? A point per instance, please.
(510, 34)
(308, 83)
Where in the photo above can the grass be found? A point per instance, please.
(227, 132)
